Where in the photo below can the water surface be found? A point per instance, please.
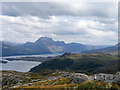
(22, 66)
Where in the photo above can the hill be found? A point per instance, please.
(88, 63)
(109, 50)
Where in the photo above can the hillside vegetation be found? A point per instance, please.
(87, 63)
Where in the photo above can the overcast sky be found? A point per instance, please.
(82, 22)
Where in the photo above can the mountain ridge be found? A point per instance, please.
(43, 45)
(109, 50)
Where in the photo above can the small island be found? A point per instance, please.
(1, 61)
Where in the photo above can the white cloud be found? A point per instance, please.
(29, 28)
(85, 22)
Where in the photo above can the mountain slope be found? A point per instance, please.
(75, 47)
(91, 63)
(109, 50)
(43, 45)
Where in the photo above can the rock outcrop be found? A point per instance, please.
(15, 79)
(78, 77)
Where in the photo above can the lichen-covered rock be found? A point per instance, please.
(15, 79)
(104, 77)
(78, 77)
(107, 78)
(117, 77)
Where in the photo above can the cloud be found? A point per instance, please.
(46, 9)
(29, 28)
(88, 23)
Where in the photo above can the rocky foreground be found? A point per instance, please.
(60, 79)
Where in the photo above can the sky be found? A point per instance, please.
(92, 23)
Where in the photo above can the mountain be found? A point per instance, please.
(8, 49)
(109, 50)
(74, 47)
(88, 63)
(11, 43)
(43, 45)
(90, 47)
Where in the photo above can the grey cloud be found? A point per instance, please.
(89, 23)
(46, 9)
(60, 30)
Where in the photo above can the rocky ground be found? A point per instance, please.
(13, 79)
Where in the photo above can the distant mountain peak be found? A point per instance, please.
(118, 44)
(44, 39)
(44, 45)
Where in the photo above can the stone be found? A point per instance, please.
(78, 77)
(117, 77)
